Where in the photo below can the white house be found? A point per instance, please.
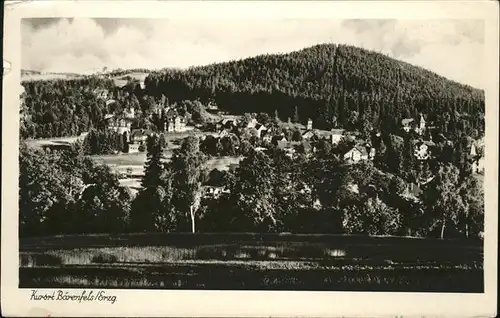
(473, 151)
(356, 154)
(407, 124)
(130, 113)
(117, 124)
(140, 135)
(423, 149)
(371, 154)
(309, 124)
(336, 135)
(133, 148)
(252, 123)
(260, 129)
(175, 124)
(421, 125)
(478, 165)
(308, 134)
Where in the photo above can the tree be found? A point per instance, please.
(328, 177)
(442, 198)
(154, 168)
(296, 134)
(188, 164)
(372, 217)
(472, 219)
(253, 194)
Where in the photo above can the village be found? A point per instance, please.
(284, 136)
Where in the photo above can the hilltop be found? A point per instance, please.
(335, 85)
(32, 75)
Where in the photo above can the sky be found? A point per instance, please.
(451, 48)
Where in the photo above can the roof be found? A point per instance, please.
(279, 138)
(358, 148)
(140, 132)
(260, 126)
(407, 121)
(337, 131)
(227, 121)
(322, 133)
(308, 133)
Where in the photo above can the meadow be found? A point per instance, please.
(252, 261)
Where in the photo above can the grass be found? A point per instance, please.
(251, 261)
(234, 276)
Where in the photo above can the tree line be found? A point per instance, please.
(66, 192)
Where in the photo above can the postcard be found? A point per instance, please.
(253, 158)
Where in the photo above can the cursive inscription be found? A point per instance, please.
(80, 296)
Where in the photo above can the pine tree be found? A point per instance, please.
(154, 168)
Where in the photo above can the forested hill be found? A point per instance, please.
(61, 107)
(335, 85)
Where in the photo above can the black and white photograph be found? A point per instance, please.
(279, 154)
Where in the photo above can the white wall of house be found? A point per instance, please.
(353, 155)
(336, 138)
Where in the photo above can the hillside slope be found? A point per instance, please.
(336, 85)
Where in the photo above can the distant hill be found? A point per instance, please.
(30, 75)
(335, 85)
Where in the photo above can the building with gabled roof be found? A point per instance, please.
(280, 141)
(140, 135)
(356, 154)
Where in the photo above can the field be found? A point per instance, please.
(252, 261)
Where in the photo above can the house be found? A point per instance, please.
(413, 191)
(356, 154)
(252, 123)
(423, 149)
(371, 153)
(421, 125)
(140, 135)
(212, 106)
(130, 113)
(260, 129)
(212, 192)
(308, 134)
(175, 124)
(280, 142)
(118, 124)
(473, 152)
(224, 133)
(228, 123)
(133, 148)
(289, 152)
(260, 149)
(336, 135)
(309, 124)
(142, 85)
(267, 138)
(407, 124)
(101, 93)
(478, 165)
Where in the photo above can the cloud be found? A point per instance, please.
(452, 48)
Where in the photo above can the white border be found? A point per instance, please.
(246, 303)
